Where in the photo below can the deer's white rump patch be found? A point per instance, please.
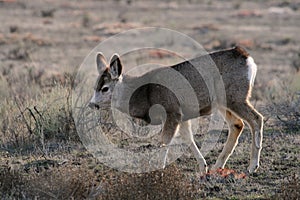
(252, 69)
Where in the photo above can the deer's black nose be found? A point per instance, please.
(94, 106)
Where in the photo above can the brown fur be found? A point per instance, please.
(233, 72)
(231, 63)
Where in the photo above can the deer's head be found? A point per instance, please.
(108, 76)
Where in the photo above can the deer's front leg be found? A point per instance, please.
(170, 127)
(168, 132)
(185, 131)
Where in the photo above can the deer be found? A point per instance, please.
(237, 70)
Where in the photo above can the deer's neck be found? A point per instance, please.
(123, 92)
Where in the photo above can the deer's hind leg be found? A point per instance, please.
(235, 125)
(255, 121)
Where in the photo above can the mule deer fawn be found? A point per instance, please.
(238, 72)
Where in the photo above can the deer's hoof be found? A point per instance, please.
(203, 170)
(253, 168)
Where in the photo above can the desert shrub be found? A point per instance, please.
(288, 114)
(169, 183)
(51, 116)
(66, 182)
(11, 184)
(30, 122)
(284, 107)
(14, 132)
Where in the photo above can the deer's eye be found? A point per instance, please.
(104, 89)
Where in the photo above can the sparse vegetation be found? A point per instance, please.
(41, 155)
(290, 188)
(285, 106)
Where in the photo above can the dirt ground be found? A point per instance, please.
(43, 43)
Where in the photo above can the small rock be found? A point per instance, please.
(48, 12)
(14, 29)
(280, 11)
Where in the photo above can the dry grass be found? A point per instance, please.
(284, 107)
(170, 183)
(41, 156)
(69, 182)
(11, 184)
(290, 188)
(31, 125)
(30, 120)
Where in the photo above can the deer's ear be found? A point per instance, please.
(115, 66)
(101, 63)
